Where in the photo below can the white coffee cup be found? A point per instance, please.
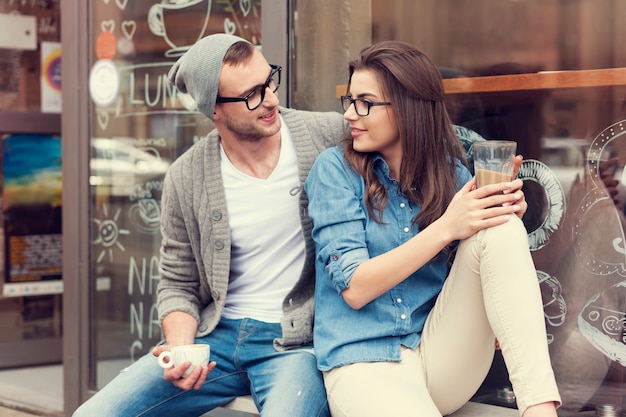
(198, 354)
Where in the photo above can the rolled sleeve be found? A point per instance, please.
(340, 266)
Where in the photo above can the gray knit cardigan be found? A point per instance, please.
(195, 246)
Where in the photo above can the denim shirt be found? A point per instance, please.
(345, 235)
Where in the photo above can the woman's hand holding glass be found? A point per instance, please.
(516, 187)
(473, 209)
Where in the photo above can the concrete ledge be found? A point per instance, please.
(471, 409)
(9, 407)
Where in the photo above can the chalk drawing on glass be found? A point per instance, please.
(602, 321)
(129, 27)
(554, 305)
(108, 233)
(144, 216)
(181, 23)
(606, 255)
(121, 4)
(553, 204)
(245, 6)
(102, 117)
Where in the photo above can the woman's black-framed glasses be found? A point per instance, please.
(254, 98)
(361, 106)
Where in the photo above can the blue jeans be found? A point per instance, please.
(282, 384)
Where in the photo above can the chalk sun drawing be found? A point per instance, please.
(108, 233)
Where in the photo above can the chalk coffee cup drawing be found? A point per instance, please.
(196, 354)
(180, 22)
(494, 161)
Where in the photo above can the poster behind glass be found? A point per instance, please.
(30, 223)
(139, 125)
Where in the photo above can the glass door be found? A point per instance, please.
(128, 125)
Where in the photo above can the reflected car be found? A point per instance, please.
(118, 168)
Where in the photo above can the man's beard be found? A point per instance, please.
(249, 131)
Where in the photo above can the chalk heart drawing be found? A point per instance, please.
(121, 4)
(107, 26)
(229, 26)
(245, 6)
(604, 252)
(181, 23)
(602, 322)
(103, 119)
(128, 28)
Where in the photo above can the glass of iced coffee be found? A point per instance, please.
(494, 161)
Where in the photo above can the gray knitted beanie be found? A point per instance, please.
(197, 72)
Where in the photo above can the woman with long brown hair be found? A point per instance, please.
(418, 271)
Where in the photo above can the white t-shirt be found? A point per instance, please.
(267, 244)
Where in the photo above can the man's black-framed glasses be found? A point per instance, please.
(361, 106)
(254, 98)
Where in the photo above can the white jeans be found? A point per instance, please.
(492, 291)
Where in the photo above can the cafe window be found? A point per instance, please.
(551, 75)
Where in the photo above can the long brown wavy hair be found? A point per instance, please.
(410, 80)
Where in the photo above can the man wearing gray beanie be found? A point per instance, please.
(237, 257)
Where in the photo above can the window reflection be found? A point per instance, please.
(550, 75)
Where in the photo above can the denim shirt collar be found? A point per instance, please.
(381, 168)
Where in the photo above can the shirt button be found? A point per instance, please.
(399, 301)
(403, 316)
(217, 215)
(219, 245)
(335, 258)
(406, 230)
(402, 205)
